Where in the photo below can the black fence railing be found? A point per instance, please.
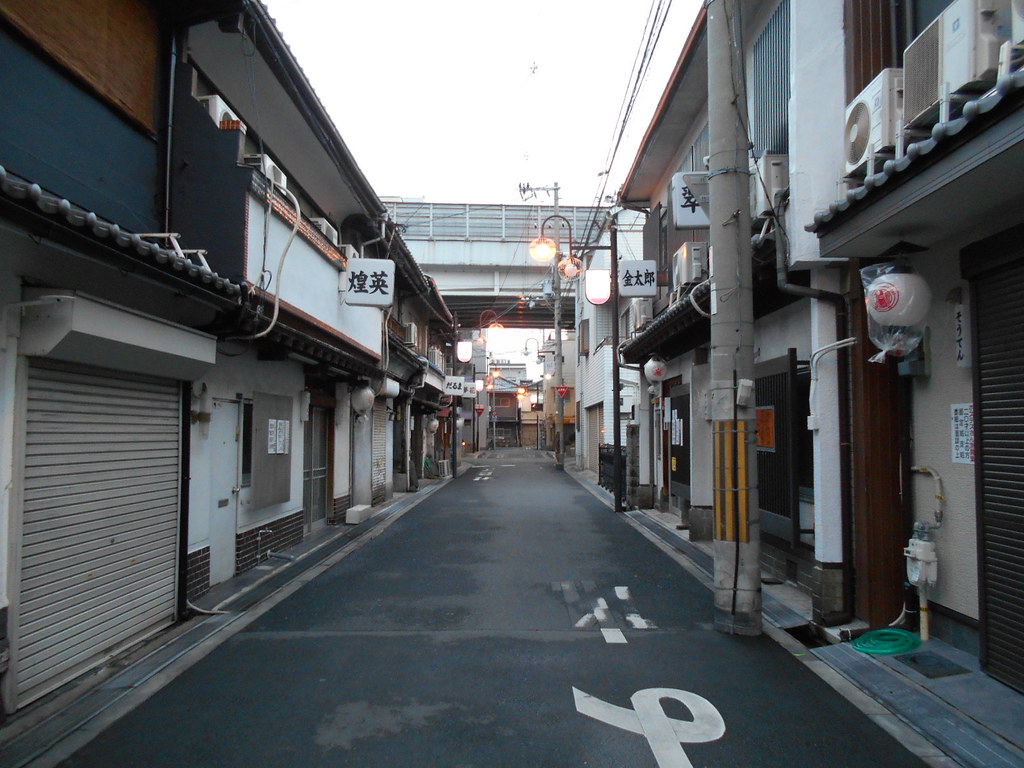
(606, 467)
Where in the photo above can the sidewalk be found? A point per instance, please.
(49, 730)
(936, 701)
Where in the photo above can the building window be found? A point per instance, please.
(246, 436)
(769, 86)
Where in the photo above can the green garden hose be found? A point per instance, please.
(881, 642)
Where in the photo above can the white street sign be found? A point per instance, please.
(455, 386)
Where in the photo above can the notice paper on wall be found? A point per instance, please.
(278, 436)
(962, 432)
(271, 436)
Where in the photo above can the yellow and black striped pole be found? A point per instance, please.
(737, 530)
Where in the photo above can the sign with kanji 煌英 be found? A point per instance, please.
(562, 391)
(638, 279)
(371, 282)
(686, 209)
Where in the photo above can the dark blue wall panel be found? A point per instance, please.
(58, 134)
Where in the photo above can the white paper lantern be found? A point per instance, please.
(432, 425)
(898, 298)
(655, 369)
(362, 400)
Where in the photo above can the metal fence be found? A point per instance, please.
(606, 467)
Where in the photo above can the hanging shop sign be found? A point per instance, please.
(371, 282)
(638, 279)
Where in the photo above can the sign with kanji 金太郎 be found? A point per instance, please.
(638, 279)
(371, 282)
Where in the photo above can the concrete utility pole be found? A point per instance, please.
(616, 385)
(556, 286)
(737, 525)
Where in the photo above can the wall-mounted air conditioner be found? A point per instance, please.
(221, 114)
(411, 333)
(873, 122)
(348, 251)
(689, 265)
(325, 229)
(956, 54)
(267, 167)
(770, 178)
(641, 312)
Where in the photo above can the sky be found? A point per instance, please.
(461, 101)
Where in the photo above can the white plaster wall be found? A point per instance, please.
(701, 438)
(789, 327)
(230, 377)
(342, 440)
(9, 292)
(817, 110)
(956, 541)
(308, 281)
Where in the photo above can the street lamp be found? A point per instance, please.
(543, 250)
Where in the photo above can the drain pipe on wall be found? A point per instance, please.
(840, 301)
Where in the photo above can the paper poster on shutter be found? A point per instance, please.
(272, 436)
(283, 432)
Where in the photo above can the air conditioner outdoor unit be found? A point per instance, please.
(411, 333)
(641, 312)
(267, 167)
(348, 251)
(689, 264)
(221, 114)
(958, 53)
(773, 171)
(873, 121)
(325, 229)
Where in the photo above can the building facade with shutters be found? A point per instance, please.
(862, 156)
(188, 383)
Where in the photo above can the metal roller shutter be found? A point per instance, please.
(595, 423)
(1000, 425)
(379, 460)
(100, 521)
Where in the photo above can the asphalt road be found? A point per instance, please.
(510, 619)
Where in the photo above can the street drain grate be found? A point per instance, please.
(932, 665)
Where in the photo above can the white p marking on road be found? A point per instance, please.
(665, 735)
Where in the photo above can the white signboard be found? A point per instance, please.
(962, 432)
(638, 279)
(455, 386)
(962, 334)
(371, 282)
(686, 210)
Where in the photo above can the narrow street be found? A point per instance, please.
(510, 619)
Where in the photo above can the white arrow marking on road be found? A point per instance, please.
(664, 734)
(614, 636)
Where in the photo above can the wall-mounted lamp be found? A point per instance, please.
(598, 285)
(362, 401)
(655, 369)
(202, 408)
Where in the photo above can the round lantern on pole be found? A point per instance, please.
(655, 369)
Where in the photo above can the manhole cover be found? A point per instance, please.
(932, 665)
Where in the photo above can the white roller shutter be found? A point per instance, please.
(379, 465)
(100, 523)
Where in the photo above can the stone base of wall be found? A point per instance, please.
(283, 533)
(197, 573)
(785, 565)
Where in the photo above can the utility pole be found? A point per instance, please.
(556, 286)
(737, 524)
(616, 413)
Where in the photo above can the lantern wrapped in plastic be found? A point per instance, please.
(897, 300)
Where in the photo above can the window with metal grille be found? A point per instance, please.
(768, 96)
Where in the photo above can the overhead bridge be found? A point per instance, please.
(479, 256)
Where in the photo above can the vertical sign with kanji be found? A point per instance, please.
(371, 282)
(686, 210)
